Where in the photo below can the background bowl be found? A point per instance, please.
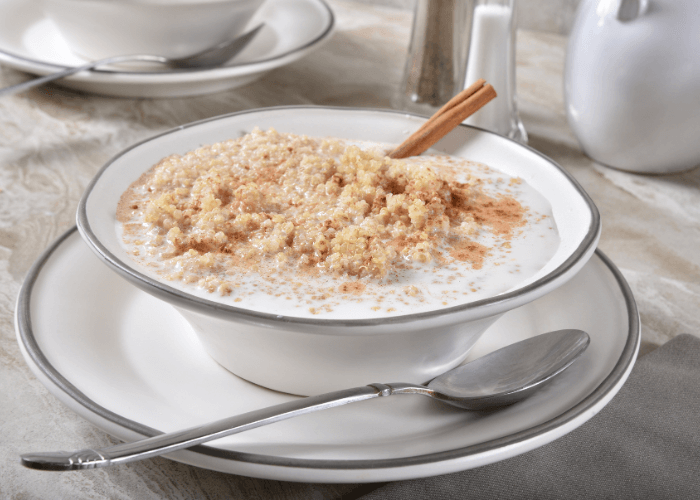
(309, 355)
(97, 29)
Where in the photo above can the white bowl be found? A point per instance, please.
(97, 29)
(308, 355)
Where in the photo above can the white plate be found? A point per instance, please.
(130, 364)
(30, 42)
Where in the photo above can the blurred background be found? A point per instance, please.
(554, 16)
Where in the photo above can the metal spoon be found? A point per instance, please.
(500, 378)
(208, 58)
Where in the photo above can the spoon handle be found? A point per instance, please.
(21, 87)
(166, 443)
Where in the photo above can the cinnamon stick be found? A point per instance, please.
(457, 109)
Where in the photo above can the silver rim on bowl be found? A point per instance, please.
(491, 306)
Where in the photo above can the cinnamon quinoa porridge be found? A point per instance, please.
(301, 226)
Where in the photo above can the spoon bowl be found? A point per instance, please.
(508, 375)
(498, 379)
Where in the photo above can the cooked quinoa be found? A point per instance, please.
(279, 201)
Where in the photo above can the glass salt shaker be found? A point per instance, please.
(492, 57)
(453, 44)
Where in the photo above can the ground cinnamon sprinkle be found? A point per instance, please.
(352, 287)
(270, 202)
(502, 214)
(469, 251)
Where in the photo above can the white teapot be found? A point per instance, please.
(632, 83)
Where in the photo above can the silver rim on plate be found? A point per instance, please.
(598, 395)
(10, 57)
(616, 375)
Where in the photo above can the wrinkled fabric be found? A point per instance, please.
(645, 444)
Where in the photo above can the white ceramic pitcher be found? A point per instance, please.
(632, 83)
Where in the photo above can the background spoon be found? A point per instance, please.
(500, 378)
(209, 58)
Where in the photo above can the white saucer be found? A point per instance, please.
(130, 364)
(293, 28)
